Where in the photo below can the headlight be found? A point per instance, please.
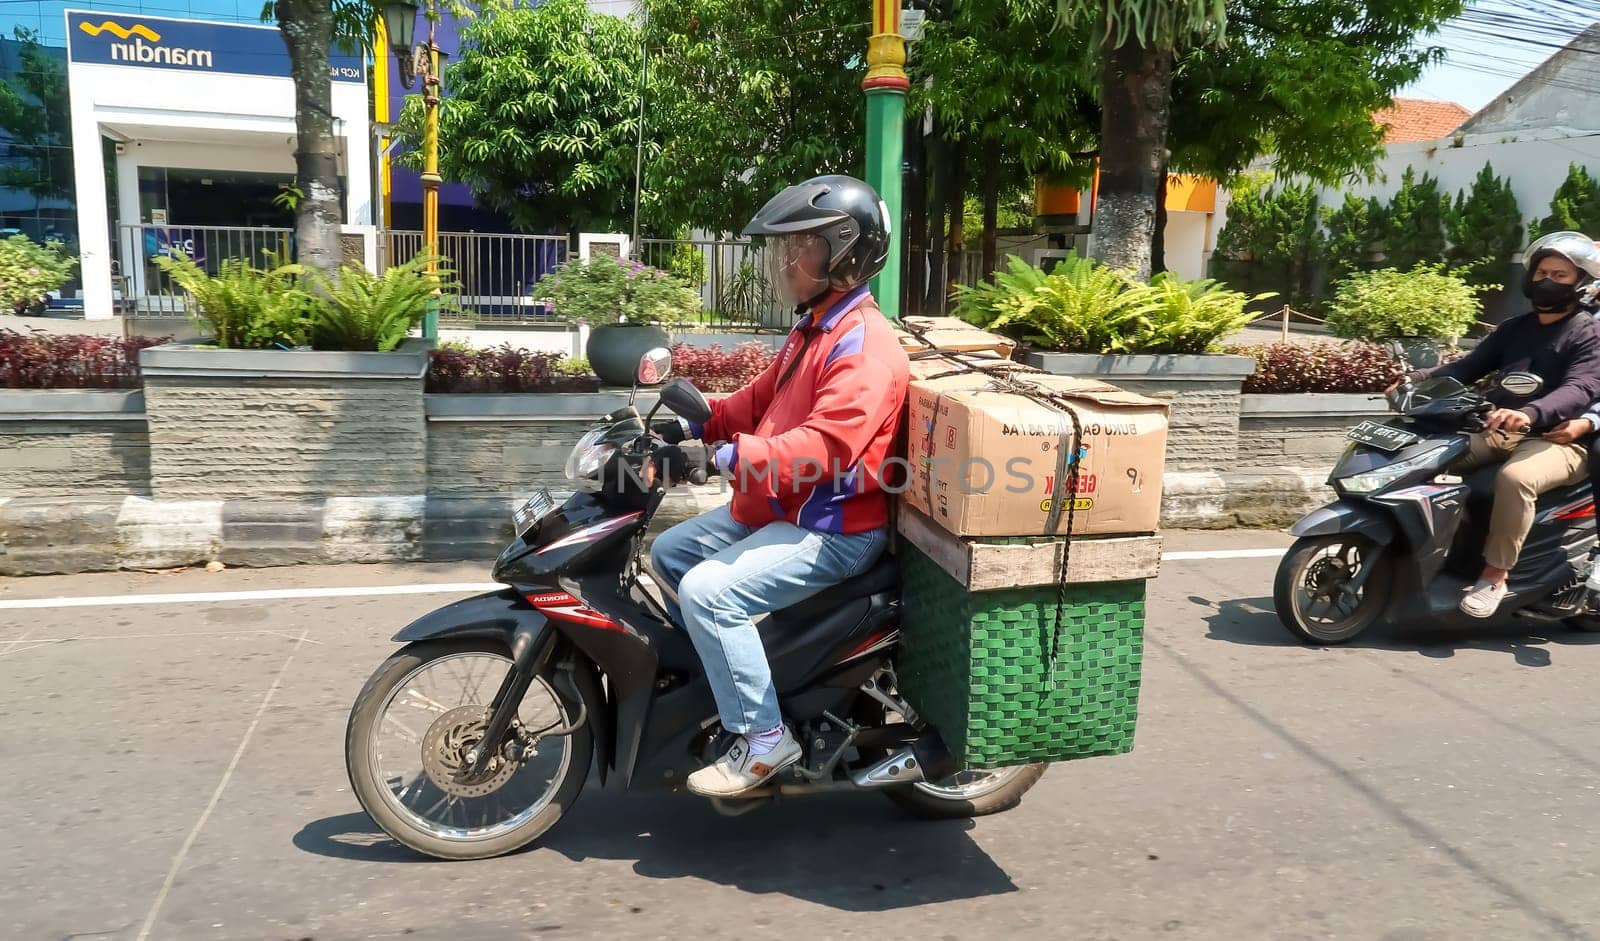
(589, 455)
(1389, 473)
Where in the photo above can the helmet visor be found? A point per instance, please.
(796, 265)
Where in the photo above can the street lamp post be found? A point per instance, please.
(886, 86)
(400, 21)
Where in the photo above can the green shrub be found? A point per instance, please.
(245, 307)
(1415, 223)
(1079, 307)
(1389, 304)
(575, 366)
(688, 264)
(1084, 307)
(358, 310)
(1575, 207)
(1271, 239)
(29, 270)
(1485, 229)
(1193, 317)
(604, 290)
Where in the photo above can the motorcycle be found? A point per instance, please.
(475, 738)
(1404, 540)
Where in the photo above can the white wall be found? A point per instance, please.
(184, 119)
(1187, 247)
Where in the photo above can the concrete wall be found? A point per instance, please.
(489, 456)
(67, 442)
(1304, 431)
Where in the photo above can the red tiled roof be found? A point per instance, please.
(1416, 119)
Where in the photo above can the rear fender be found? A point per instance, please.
(1346, 516)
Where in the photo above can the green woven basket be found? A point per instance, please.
(991, 671)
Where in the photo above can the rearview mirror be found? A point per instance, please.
(654, 366)
(1521, 383)
(682, 398)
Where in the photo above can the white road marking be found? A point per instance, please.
(1268, 553)
(437, 588)
(227, 775)
(265, 594)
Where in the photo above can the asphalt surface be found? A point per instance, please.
(175, 771)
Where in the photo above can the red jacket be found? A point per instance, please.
(811, 433)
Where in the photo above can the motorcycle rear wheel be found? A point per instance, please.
(969, 793)
(440, 749)
(1313, 571)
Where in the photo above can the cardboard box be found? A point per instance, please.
(988, 462)
(953, 334)
(925, 364)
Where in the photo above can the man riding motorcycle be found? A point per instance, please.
(803, 445)
(1535, 437)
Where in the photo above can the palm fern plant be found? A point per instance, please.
(1193, 316)
(358, 310)
(242, 306)
(1080, 307)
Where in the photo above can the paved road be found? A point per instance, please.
(174, 771)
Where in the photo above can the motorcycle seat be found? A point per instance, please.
(882, 579)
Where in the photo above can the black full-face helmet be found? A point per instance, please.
(830, 233)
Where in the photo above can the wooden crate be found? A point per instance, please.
(991, 564)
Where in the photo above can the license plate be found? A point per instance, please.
(529, 513)
(1382, 437)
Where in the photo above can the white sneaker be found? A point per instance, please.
(739, 771)
(1483, 600)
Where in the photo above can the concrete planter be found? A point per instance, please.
(60, 442)
(1302, 430)
(284, 424)
(1202, 390)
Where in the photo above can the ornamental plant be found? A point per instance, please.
(242, 306)
(1084, 307)
(1425, 302)
(358, 310)
(605, 290)
(1320, 367)
(503, 369)
(29, 271)
(70, 361)
(713, 369)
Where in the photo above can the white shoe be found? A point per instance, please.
(1483, 600)
(739, 771)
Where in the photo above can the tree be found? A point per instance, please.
(1575, 206)
(1272, 241)
(540, 116)
(1137, 50)
(1352, 232)
(747, 99)
(35, 123)
(1485, 230)
(1415, 223)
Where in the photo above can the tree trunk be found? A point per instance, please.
(991, 205)
(307, 28)
(915, 199)
(1136, 98)
(934, 246)
(955, 206)
(1158, 234)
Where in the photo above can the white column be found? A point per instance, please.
(89, 182)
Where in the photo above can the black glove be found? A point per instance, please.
(674, 466)
(672, 431)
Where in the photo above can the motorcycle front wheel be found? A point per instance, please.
(414, 729)
(1331, 588)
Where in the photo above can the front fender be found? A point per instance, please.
(492, 614)
(1346, 516)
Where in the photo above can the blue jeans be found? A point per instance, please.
(726, 573)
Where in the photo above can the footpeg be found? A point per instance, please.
(902, 767)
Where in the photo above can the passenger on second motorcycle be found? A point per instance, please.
(1537, 438)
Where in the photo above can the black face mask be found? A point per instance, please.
(1549, 295)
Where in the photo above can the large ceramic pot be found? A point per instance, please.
(614, 349)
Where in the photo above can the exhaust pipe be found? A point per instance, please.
(927, 759)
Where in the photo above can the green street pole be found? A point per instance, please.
(886, 86)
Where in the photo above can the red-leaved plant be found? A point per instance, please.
(70, 361)
(713, 369)
(1320, 367)
(502, 369)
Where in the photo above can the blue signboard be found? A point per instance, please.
(151, 42)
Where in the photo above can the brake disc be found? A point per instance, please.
(446, 745)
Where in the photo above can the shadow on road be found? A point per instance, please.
(853, 852)
(1253, 622)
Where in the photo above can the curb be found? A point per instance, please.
(69, 535)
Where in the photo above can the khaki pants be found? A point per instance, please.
(1532, 466)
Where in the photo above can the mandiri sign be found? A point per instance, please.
(101, 38)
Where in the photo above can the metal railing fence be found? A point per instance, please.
(146, 290)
